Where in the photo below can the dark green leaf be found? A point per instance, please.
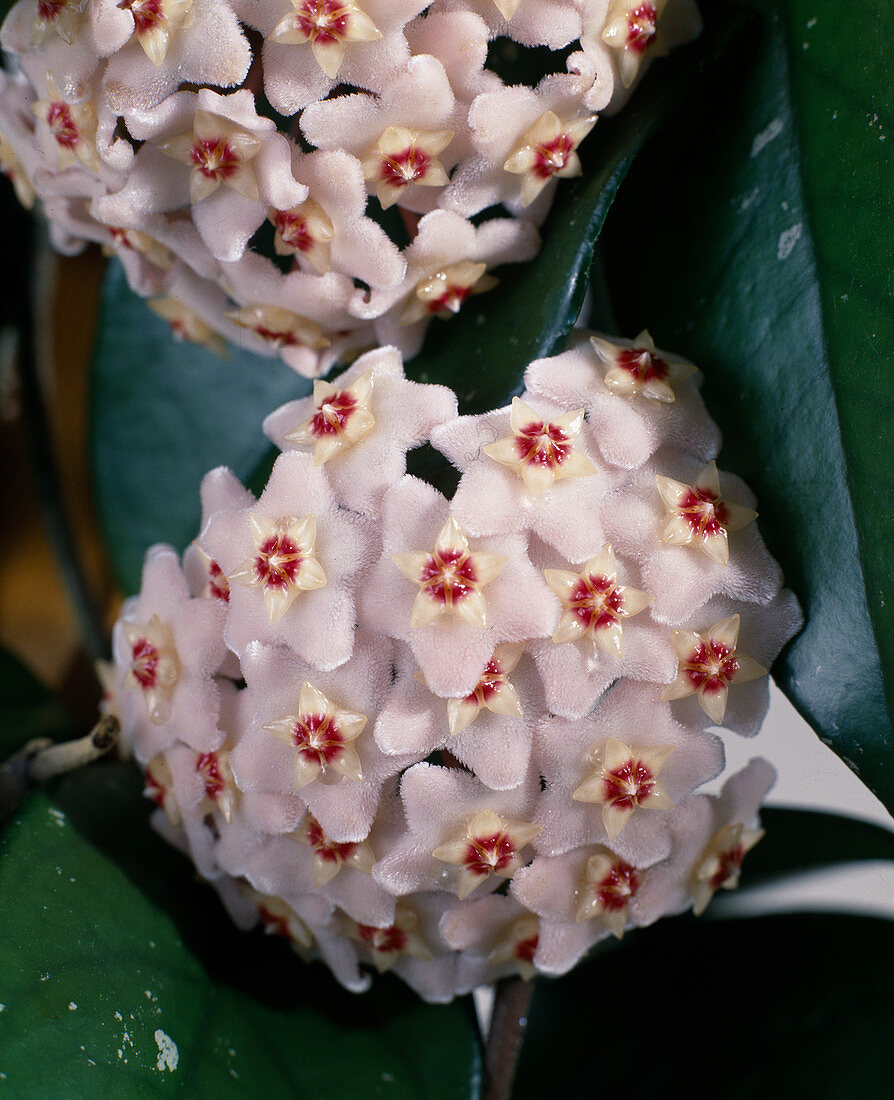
(802, 840)
(103, 965)
(754, 236)
(483, 352)
(163, 415)
(773, 1007)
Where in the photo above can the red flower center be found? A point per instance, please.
(148, 15)
(705, 513)
(488, 853)
(64, 128)
(453, 297)
(400, 169)
(208, 766)
(596, 602)
(333, 414)
(328, 850)
(488, 685)
(317, 738)
(294, 230)
(641, 24)
(278, 562)
(275, 924)
(628, 785)
(711, 666)
(389, 941)
(730, 863)
(526, 949)
(323, 21)
(218, 585)
(156, 792)
(642, 364)
(552, 156)
(448, 576)
(144, 663)
(215, 158)
(618, 886)
(49, 10)
(540, 444)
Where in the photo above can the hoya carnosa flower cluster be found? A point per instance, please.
(239, 156)
(462, 738)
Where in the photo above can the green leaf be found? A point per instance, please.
(122, 977)
(804, 840)
(765, 260)
(774, 1007)
(164, 414)
(482, 353)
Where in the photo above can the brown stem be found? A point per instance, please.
(505, 1036)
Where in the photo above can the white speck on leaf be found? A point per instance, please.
(748, 199)
(71, 1006)
(168, 1054)
(57, 815)
(787, 241)
(811, 23)
(118, 1016)
(764, 138)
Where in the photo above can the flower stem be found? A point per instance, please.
(505, 1037)
(41, 759)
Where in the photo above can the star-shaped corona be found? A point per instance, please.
(623, 781)
(187, 325)
(72, 126)
(708, 664)
(217, 152)
(341, 418)
(283, 565)
(493, 691)
(487, 846)
(155, 22)
(221, 792)
(280, 919)
(450, 578)
(329, 856)
(698, 517)
(519, 944)
(546, 150)
(402, 157)
(606, 889)
(159, 788)
(154, 667)
(443, 293)
(640, 370)
(541, 451)
(321, 734)
(330, 26)
(279, 327)
(720, 863)
(631, 29)
(305, 230)
(387, 945)
(593, 603)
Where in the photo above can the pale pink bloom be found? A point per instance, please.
(680, 578)
(453, 647)
(447, 261)
(361, 425)
(568, 754)
(319, 623)
(625, 425)
(498, 938)
(489, 730)
(459, 40)
(156, 46)
(72, 64)
(505, 123)
(364, 48)
(493, 498)
(404, 137)
(553, 23)
(310, 732)
(168, 648)
(761, 630)
(356, 245)
(439, 805)
(711, 838)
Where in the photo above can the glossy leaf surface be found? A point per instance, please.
(766, 260)
(771, 1007)
(164, 413)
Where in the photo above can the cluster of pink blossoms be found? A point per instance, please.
(461, 738)
(144, 125)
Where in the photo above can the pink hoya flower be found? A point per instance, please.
(455, 740)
